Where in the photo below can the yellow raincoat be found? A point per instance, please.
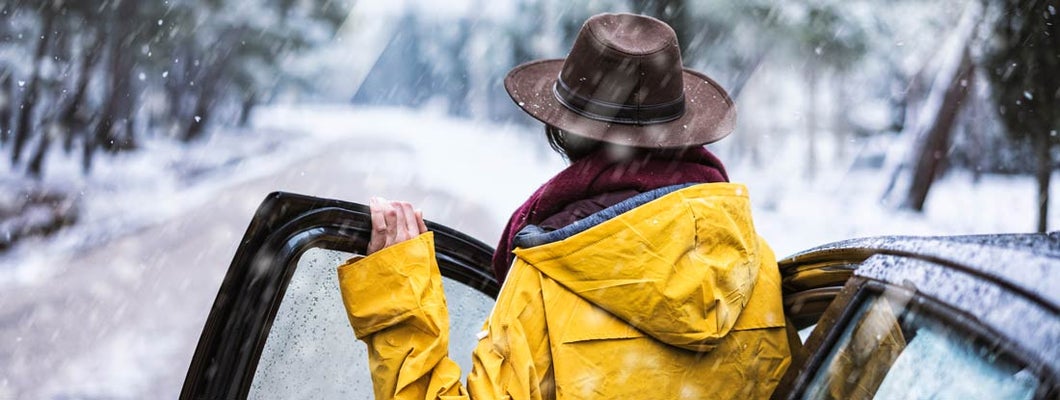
(674, 298)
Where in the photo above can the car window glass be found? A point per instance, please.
(804, 333)
(893, 349)
(311, 350)
(949, 363)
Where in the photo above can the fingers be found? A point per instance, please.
(376, 207)
(411, 227)
(420, 223)
(377, 240)
(393, 222)
(390, 215)
(400, 231)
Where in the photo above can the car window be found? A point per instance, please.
(893, 348)
(311, 351)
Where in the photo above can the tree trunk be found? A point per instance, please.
(461, 81)
(811, 122)
(119, 105)
(842, 128)
(7, 103)
(249, 101)
(935, 143)
(200, 113)
(35, 168)
(176, 87)
(203, 105)
(1049, 60)
(71, 119)
(197, 127)
(1044, 173)
(211, 80)
(29, 100)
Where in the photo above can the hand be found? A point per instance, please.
(393, 222)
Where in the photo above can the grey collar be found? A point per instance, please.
(533, 235)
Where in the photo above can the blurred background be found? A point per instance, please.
(137, 137)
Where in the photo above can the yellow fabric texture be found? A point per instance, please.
(677, 298)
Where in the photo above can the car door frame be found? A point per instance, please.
(285, 226)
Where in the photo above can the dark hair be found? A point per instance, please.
(571, 147)
(574, 147)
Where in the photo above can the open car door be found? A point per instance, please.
(278, 328)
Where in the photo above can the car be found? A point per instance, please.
(891, 317)
(960, 317)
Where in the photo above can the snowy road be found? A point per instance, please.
(122, 320)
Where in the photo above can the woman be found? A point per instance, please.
(634, 273)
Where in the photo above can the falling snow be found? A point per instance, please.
(159, 224)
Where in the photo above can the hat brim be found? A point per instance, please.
(710, 114)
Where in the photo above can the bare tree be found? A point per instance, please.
(933, 144)
(931, 118)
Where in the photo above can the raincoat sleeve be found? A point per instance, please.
(396, 305)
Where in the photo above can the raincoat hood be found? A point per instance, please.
(682, 263)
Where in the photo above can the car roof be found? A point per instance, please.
(1025, 263)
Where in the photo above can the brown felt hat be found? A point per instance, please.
(623, 82)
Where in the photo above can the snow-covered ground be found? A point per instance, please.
(488, 167)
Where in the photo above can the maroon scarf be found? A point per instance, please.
(598, 173)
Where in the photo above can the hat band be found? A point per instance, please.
(618, 113)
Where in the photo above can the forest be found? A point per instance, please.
(951, 85)
(93, 76)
